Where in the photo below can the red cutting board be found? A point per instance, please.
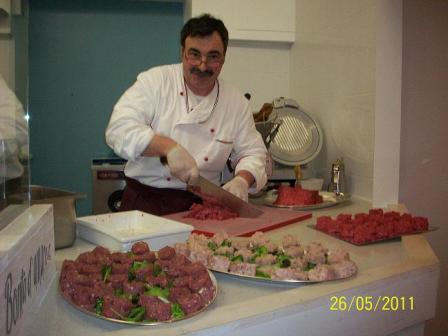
(272, 218)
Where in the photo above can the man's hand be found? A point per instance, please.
(238, 186)
(182, 165)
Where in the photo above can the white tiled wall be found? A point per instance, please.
(261, 69)
(330, 72)
(333, 78)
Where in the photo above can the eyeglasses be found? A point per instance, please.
(194, 57)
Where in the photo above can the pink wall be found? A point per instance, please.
(424, 134)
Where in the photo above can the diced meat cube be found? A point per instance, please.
(245, 253)
(338, 255)
(155, 309)
(321, 273)
(219, 263)
(202, 256)
(266, 259)
(120, 268)
(117, 280)
(344, 269)
(288, 274)
(140, 248)
(243, 268)
(240, 242)
(316, 253)
(191, 303)
(166, 253)
(116, 307)
(182, 248)
(225, 250)
(289, 240)
(258, 239)
(134, 287)
(294, 251)
(299, 263)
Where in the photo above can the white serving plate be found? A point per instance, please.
(120, 230)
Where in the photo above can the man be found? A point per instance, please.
(13, 143)
(184, 114)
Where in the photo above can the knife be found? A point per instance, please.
(206, 189)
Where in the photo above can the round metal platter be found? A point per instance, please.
(299, 138)
(212, 277)
(329, 199)
(276, 282)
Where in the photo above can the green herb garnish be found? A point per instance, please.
(158, 291)
(262, 274)
(309, 266)
(176, 311)
(261, 250)
(105, 272)
(157, 270)
(226, 242)
(283, 261)
(212, 245)
(237, 258)
(136, 314)
(99, 306)
(136, 265)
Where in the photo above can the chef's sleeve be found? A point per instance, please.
(129, 132)
(249, 151)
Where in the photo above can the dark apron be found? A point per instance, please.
(156, 201)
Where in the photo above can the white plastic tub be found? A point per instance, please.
(120, 230)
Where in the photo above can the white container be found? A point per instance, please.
(120, 230)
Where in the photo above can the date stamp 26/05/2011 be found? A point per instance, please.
(369, 303)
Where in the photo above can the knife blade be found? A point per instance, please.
(204, 188)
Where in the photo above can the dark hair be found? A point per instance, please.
(202, 26)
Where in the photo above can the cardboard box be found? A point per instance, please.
(27, 265)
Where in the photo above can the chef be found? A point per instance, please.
(179, 121)
(13, 143)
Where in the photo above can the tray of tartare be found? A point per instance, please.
(138, 287)
(374, 226)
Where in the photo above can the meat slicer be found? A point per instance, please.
(298, 140)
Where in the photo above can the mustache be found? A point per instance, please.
(205, 73)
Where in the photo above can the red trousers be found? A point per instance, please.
(156, 201)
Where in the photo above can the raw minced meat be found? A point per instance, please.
(287, 195)
(210, 211)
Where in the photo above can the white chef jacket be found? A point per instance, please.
(13, 134)
(156, 104)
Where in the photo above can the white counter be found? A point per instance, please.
(406, 269)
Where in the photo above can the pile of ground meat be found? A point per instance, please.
(297, 196)
(209, 210)
(137, 286)
(363, 228)
(258, 256)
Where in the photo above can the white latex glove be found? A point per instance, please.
(182, 165)
(238, 186)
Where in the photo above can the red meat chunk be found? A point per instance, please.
(297, 196)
